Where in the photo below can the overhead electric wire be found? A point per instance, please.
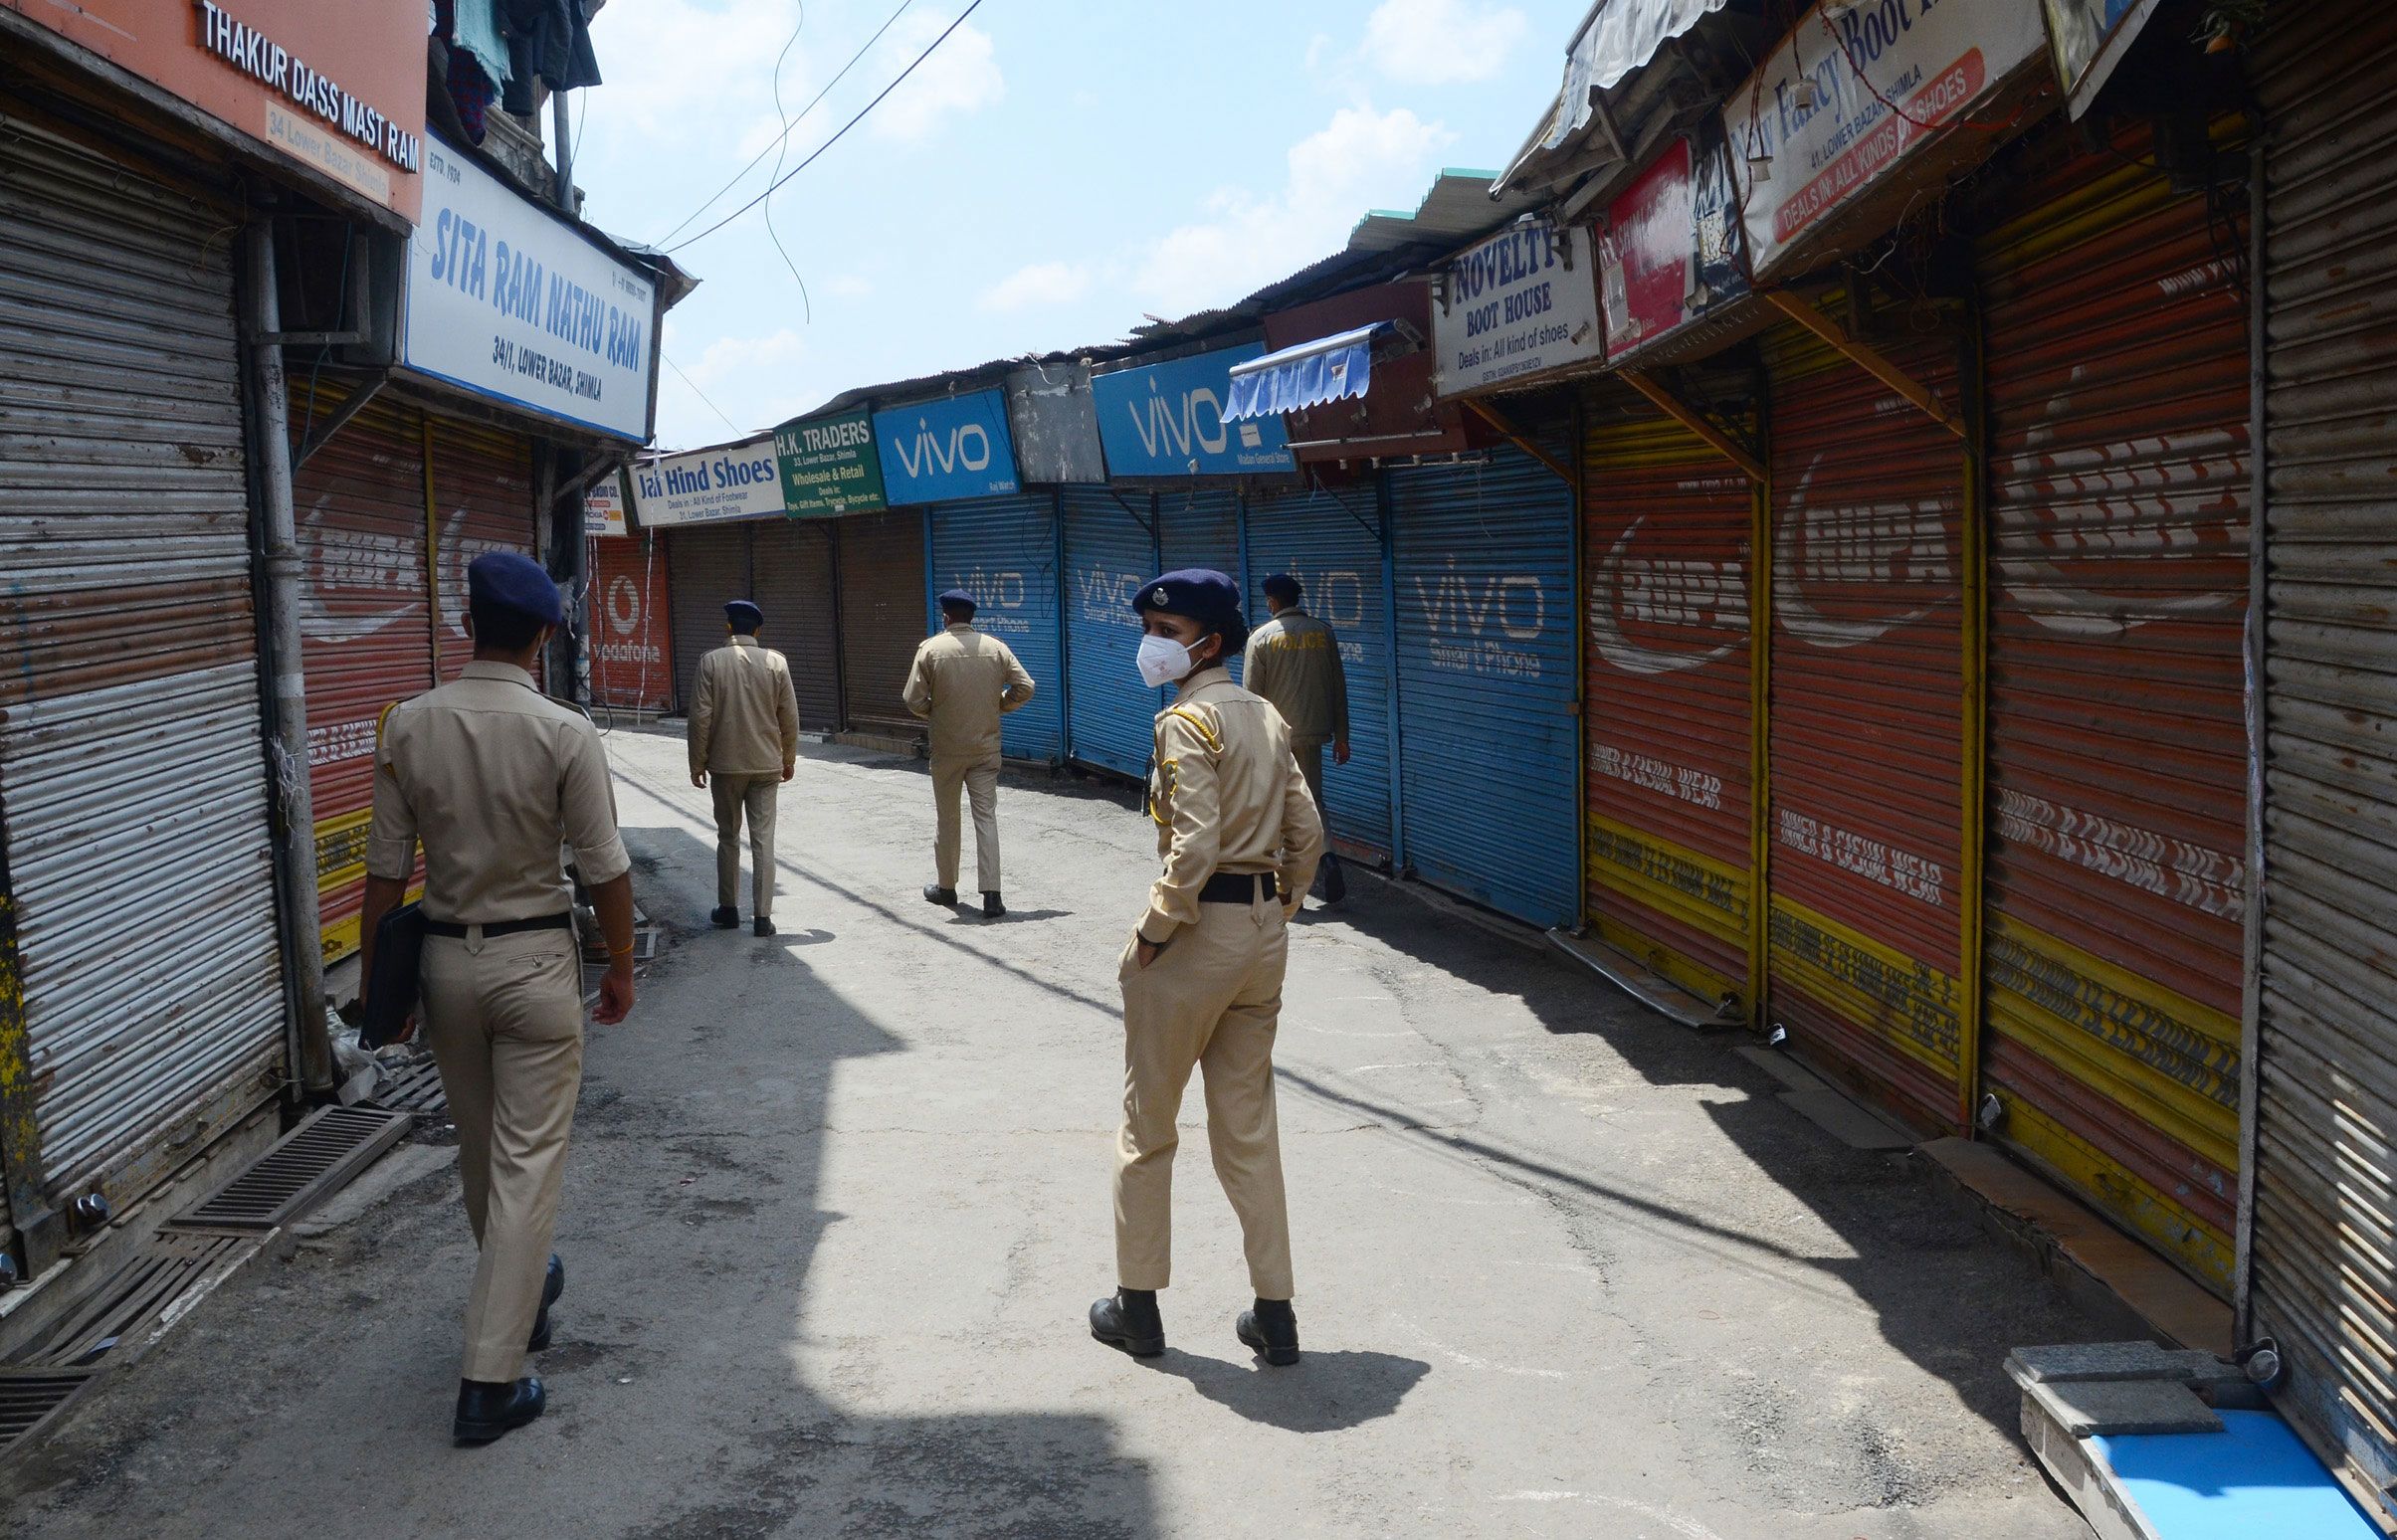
(783, 139)
(695, 389)
(837, 134)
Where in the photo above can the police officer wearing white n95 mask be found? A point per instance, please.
(1202, 972)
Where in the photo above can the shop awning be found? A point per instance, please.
(1334, 368)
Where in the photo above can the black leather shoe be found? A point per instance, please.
(726, 919)
(486, 1409)
(933, 892)
(1271, 1332)
(992, 908)
(1129, 1321)
(553, 1285)
(761, 926)
(1335, 880)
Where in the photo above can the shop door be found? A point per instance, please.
(1866, 725)
(133, 788)
(2314, 1271)
(1668, 528)
(791, 571)
(882, 574)
(1004, 551)
(1488, 737)
(707, 566)
(2115, 888)
(365, 624)
(632, 635)
(1110, 554)
(483, 499)
(1200, 527)
(1331, 543)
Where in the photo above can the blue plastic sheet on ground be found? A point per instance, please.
(2254, 1480)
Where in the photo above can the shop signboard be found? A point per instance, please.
(1848, 100)
(709, 487)
(948, 450)
(2089, 38)
(830, 465)
(1168, 420)
(1523, 301)
(509, 302)
(603, 506)
(1671, 248)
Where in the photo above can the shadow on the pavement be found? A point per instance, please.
(1322, 1393)
(1012, 917)
(814, 936)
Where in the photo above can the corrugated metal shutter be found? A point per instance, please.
(482, 500)
(632, 634)
(705, 567)
(1667, 525)
(365, 619)
(2318, 1257)
(132, 767)
(791, 573)
(882, 616)
(1003, 551)
(1331, 543)
(1200, 527)
(1487, 633)
(2115, 327)
(1112, 718)
(1866, 724)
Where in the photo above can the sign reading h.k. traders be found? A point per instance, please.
(830, 465)
(1847, 99)
(1523, 301)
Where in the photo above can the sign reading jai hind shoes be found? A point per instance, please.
(830, 465)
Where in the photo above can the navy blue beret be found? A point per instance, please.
(741, 613)
(1203, 595)
(1284, 587)
(958, 599)
(508, 580)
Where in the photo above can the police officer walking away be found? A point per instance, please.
(962, 683)
(492, 777)
(1202, 973)
(1294, 660)
(744, 741)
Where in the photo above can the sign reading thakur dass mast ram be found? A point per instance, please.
(936, 451)
(509, 302)
(829, 466)
(1168, 420)
(710, 486)
(1523, 301)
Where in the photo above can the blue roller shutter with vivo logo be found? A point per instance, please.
(1200, 528)
(1003, 551)
(1485, 631)
(1110, 554)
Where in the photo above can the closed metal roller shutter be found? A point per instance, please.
(1867, 725)
(483, 501)
(1200, 527)
(2317, 1261)
(882, 616)
(1666, 528)
(704, 568)
(1004, 551)
(1110, 715)
(132, 767)
(1333, 544)
(2115, 347)
(1486, 687)
(791, 564)
(366, 625)
(632, 635)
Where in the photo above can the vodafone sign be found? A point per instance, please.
(631, 666)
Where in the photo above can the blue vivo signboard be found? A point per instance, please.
(941, 451)
(1168, 420)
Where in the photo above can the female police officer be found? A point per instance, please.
(1202, 974)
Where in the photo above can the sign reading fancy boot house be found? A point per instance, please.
(944, 451)
(509, 302)
(1168, 420)
(830, 465)
(710, 486)
(1846, 100)
(1523, 301)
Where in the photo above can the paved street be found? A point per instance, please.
(839, 1201)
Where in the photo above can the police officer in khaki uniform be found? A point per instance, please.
(962, 683)
(492, 777)
(1202, 973)
(1294, 660)
(744, 742)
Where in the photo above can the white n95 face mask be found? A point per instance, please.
(1162, 661)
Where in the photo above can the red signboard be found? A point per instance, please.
(630, 669)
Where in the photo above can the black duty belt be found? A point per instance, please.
(561, 922)
(1237, 888)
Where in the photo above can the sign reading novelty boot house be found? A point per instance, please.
(945, 451)
(1521, 302)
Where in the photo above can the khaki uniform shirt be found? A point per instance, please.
(1294, 660)
(1226, 797)
(961, 683)
(744, 717)
(493, 776)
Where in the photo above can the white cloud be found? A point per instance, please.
(960, 77)
(659, 48)
(1441, 41)
(1042, 283)
(731, 357)
(849, 286)
(1361, 159)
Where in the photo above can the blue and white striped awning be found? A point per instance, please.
(1334, 368)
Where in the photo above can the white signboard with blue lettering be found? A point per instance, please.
(508, 301)
(710, 486)
(942, 450)
(1168, 420)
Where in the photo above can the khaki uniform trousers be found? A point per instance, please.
(1211, 1000)
(979, 778)
(753, 795)
(504, 1017)
(1310, 754)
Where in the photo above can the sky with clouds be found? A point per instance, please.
(1054, 172)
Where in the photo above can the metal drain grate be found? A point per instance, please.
(415, 1089)
(31, 1398)
(305, 1167)
(143, 1292)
